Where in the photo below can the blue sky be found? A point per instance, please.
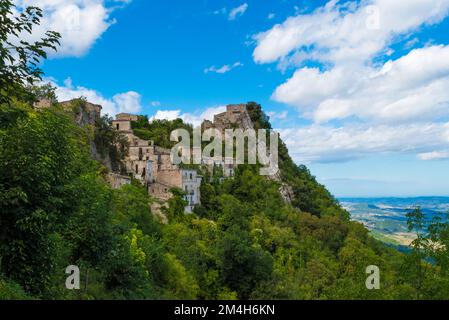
(358, 89)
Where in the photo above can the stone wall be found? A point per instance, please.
(152, 165)
(122, 125)
(191, 183)
(235, 115)
(117, 181)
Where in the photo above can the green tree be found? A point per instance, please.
(19, 58)
(39, 158)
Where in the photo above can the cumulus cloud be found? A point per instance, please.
(344, 74)
(129, 102)
(345, 39)
(238, 12)
(224, 69)
(348, 32)
(80, 22)
(317, 143)
(193, 118)
(411, 88)
(166, 115)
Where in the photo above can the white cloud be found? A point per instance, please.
(271, 16)
(238, 12)
(166, 115)
(348, 32)
(399, 105)
(434, 155)
(318, 143)
(80, 22)
(224, 69)
(193, 118)
(155, 103)
(414, 87)
(342, 39)
(129, 102)
(278, 115)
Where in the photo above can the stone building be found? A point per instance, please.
(191, 183)
(122, 122)
(152, 166)
(117, 181)
(235, 115)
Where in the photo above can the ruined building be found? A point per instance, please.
(152, 166)
(235, 116)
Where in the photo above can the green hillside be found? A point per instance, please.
(243, 242)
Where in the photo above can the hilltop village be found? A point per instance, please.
(152, 165)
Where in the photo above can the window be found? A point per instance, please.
(137, 168)
(191, 176)
(118, 126)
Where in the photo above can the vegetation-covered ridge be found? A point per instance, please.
(244, 242)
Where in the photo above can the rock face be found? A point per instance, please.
(287, 193)
(85, 112)
(236, 116)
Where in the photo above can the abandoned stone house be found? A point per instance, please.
(152, 166)
(191, 181)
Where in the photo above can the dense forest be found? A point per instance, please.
(243, 242)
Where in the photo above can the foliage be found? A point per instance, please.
(19, 58)
(110, 143)
(158, 131)
(243, 242)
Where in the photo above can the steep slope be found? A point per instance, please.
(243, 242)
